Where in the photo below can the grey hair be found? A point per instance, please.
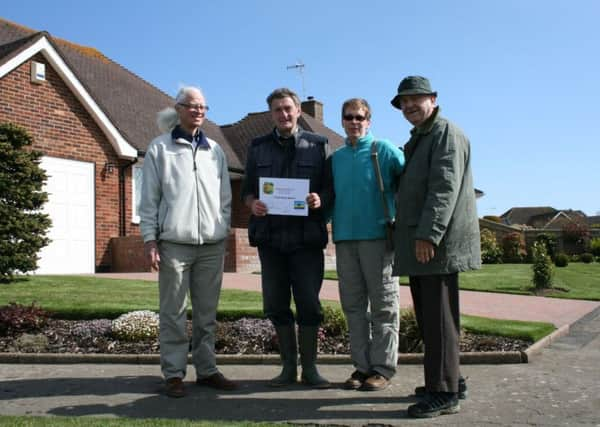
(168, 118)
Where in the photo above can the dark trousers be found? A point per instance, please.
(299, 272)
(435, 299)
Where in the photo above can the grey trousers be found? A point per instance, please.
(370, 298)
(199, 270)
(436, 303)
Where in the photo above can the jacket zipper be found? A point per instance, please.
(194, 150)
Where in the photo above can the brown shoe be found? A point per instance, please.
(174, 387)
(355, 381)
(217, 381)
(375, 382)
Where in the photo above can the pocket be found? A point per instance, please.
(264, 169)
(305, 169)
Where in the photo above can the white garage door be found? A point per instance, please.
(70, 188)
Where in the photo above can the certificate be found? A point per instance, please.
(284, 196)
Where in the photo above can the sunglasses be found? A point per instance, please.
(350, 117)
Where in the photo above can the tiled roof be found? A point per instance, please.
(539, 215)
(593, 220)
(254, 125)
(9, 50)
(131, 103)
(524, 215)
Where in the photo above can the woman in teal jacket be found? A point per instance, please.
(368, 293)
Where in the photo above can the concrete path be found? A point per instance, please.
(561, 386)
(558, 311)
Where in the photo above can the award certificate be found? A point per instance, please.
(284, 196)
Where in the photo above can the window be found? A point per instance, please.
(136, 191)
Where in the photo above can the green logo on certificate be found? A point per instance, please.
(299, 204)
(268, 187)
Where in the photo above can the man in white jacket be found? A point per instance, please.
(185, 216)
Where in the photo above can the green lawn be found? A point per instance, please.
(576, 281)
(72, 297)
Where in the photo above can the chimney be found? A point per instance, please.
(313, 108)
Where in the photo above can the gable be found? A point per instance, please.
(123, 104)
(42, 45)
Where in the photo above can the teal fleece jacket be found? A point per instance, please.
(358, 211)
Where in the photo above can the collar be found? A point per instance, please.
(363, 140)
(199, 138)
(427, 125)
(282, 139)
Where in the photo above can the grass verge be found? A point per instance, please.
(575, 281)
(79, 297)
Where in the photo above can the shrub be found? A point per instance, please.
(409, 336)
(334, 321)
(491, 253)
(587, 257)
(595, 246)
(513, 248)
(91, 329)
(549, 241)
(136, 326)
(246, 335)
(23, 226)
(543, 271)
(17, 318)
(575, 258)
(561, 260)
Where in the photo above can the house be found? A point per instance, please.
(544, 217)
(93, 119)
(593, 221)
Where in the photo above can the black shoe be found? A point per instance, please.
(174, 387)
(434, 405)
(217, 381)
(462, 389)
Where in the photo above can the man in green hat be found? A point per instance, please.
(436, 237)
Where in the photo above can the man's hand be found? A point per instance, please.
(257, 207)
(313, 200)
(424, 251)
(151, 254)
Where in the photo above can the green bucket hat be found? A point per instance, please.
(412, 85)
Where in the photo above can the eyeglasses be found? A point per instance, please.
(196, 107)
(350, 117)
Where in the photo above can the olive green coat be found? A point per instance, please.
(436, 201)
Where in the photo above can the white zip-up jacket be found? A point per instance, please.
(186, 193)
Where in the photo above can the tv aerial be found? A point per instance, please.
(300, 67)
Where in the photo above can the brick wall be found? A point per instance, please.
(128, 254)
(61, 127)
(239, 211)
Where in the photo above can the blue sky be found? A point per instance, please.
(520, 77)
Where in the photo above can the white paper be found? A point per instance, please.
(284, 196)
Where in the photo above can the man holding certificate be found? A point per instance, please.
(288, 188)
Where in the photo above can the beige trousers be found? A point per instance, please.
(197, 269)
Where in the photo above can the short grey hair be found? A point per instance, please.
(168, 118)
(283, 92)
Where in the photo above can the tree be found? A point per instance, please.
(23, 227)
